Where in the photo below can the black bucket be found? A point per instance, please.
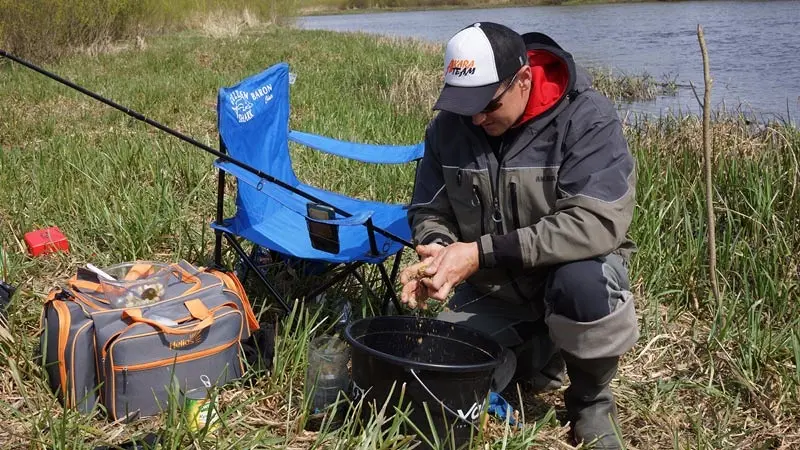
(446, 366)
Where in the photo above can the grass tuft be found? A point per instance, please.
(624, 87)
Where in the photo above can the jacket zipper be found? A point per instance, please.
(515, 206)
(517, 226)
(477, 193)
(497, 213)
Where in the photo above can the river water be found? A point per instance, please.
(754, 47)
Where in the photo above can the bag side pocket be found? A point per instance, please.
(53, 342)
(142, 363)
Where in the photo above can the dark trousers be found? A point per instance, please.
(584, 292)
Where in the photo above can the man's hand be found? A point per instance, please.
(450, 266)
(414, 292)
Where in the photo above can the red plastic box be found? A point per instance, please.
(47, 240)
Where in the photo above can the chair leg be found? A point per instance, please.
(390, 293)
(389, 283)
(217, 249)
(246, 269)
(242, 254)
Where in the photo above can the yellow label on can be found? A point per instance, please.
(199, 411)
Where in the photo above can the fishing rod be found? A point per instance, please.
(370, 226)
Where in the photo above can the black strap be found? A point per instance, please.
(571, 95)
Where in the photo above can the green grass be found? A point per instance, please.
(121, 190)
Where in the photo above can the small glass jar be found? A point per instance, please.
(327, 374)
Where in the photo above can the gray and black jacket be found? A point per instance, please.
(562, 189)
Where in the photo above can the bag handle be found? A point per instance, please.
(138, 271)
(187, 277)
(196, 308)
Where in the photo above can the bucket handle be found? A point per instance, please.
(445, 407)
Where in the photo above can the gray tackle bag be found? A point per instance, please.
(179, 327)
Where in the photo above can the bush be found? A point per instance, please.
(46, 29)
(42, 29)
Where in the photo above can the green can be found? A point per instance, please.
(199, 411)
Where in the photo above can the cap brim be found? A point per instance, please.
(466, 101)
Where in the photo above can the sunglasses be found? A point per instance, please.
(495, 103)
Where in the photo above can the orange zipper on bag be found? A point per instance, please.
(107, 349)
(178, 359)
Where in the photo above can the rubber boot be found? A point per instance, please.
(591, 408)
(536, 365)
(540, 367)
(550, 377)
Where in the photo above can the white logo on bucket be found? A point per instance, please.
(472, 413)
(357, 392)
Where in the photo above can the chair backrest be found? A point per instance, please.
(253, 121)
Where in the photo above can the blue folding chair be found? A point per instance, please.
(275, 211)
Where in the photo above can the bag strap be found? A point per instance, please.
(196, 308)
(232, 282)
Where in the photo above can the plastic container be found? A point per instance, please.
(47, 240)
(446, 366)
(135, 284)
(327, 375)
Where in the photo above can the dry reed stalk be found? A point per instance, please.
(712, 245)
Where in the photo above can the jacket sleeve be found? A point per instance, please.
(595, 199)
(430, 214)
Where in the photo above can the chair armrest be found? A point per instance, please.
(240, 173)
(369, 153)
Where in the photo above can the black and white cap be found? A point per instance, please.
(476, 60)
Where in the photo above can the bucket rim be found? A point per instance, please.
(409, 364)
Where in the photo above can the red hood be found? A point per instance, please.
(549, 81)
